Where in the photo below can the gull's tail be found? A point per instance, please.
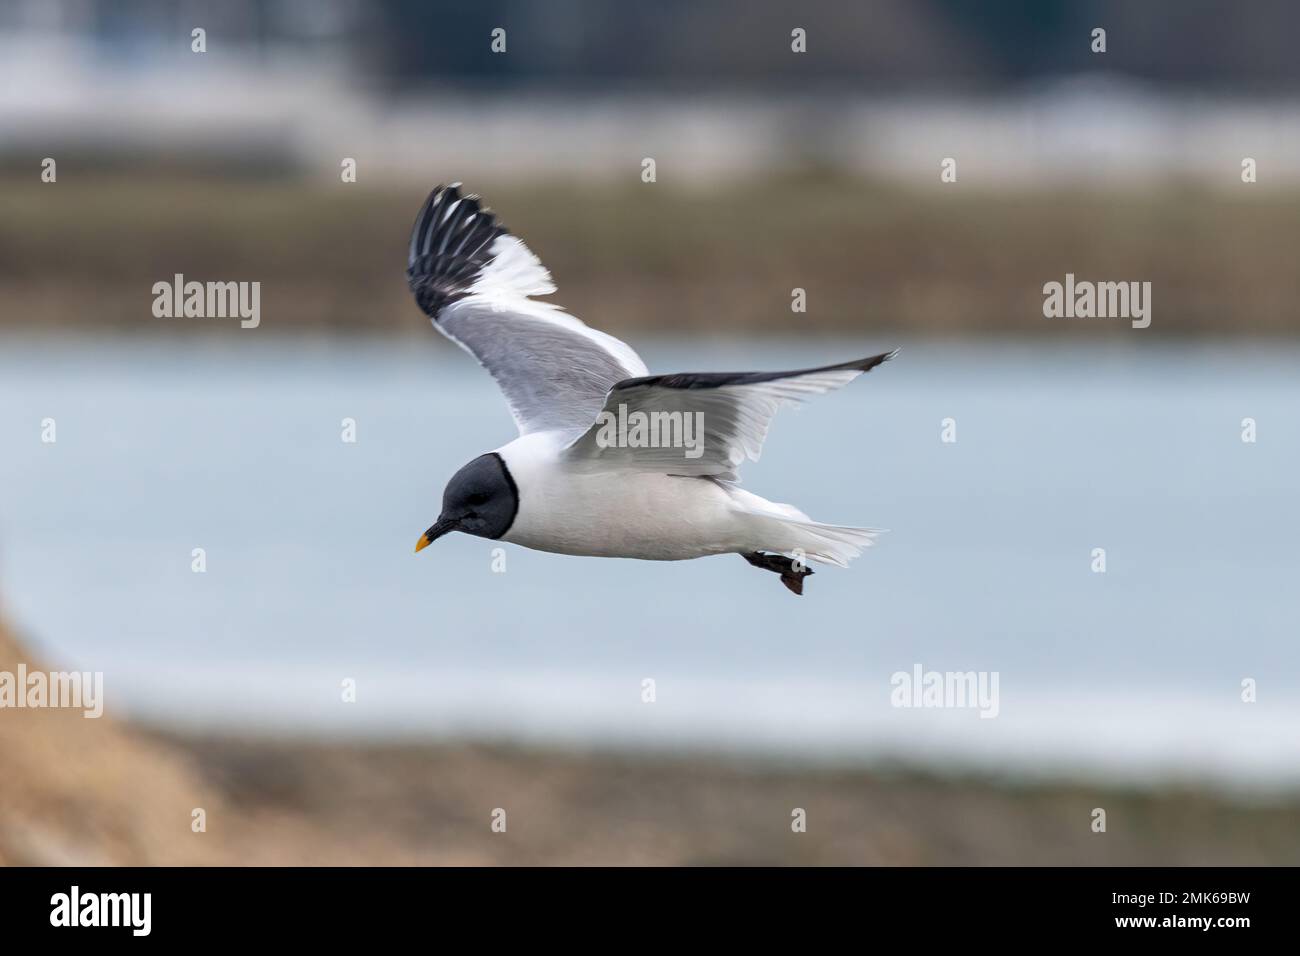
(784, 529)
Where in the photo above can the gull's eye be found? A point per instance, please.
(478, 498)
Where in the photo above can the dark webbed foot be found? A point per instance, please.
(792, 572)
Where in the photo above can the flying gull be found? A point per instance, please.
(610, 460)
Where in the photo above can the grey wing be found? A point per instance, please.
(699, 424)
(475, 280)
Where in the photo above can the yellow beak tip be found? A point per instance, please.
(422, 543)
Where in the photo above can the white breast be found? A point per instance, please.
(615, 514)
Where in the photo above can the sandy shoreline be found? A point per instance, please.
(102, 791)
(430, 804)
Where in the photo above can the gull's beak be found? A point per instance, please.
(440, 527)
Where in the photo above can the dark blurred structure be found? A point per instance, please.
(870, 47)
(775, 169)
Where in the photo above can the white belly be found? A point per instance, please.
(657, 517)
(624, 515)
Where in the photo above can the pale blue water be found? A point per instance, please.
(235, 447)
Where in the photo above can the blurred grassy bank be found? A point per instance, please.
(77, 791)
(84, 253)
(424, 804)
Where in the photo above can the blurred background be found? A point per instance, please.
(479, 686)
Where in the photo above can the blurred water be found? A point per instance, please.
(235, 447)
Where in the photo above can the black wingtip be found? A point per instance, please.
(867, 364)
(451, 242)
(691, 380)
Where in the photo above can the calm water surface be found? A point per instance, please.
(163, 447)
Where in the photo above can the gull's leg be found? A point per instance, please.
(792, 572)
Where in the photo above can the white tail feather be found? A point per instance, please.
(784, 529)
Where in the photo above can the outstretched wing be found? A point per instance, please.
(474, 280)
(704, 424)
